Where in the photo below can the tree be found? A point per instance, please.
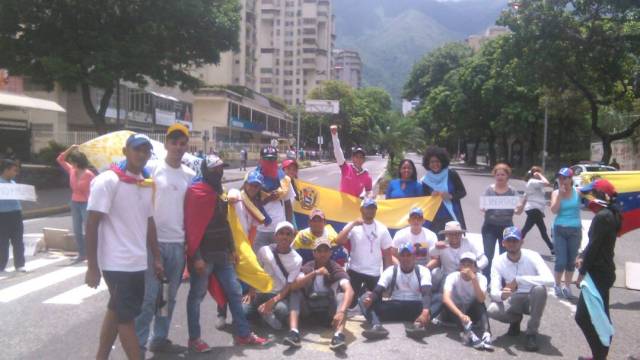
(589, 45)
(97, 43)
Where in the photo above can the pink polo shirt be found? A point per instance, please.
(79, 186)
(353, 182)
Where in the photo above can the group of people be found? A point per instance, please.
(147, 222)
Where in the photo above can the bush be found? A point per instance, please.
(48, 155)
(304, 164)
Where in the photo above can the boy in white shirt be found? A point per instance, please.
(420, 237)
(120, 232)
(519, 278)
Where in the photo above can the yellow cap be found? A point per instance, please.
(178, 127)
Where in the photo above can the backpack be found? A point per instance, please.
(393, 285)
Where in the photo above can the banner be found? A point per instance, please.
(18, 192)
(499, 202)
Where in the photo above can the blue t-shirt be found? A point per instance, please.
(412, 189)
(569, 214)
(9, 205)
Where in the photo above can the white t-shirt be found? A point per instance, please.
(246, 220)
(407, 288)
(275, 209)
(529, 271)
(462, 291)
(171, 186)
(535, 195)
(426, 239)
(122, 233)
(450, 257)
(291, 262)
(367, 241)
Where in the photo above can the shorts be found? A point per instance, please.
(126, 293)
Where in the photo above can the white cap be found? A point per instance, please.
(468, 255)
(284, 224)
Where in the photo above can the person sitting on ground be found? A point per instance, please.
(304, 243)
(519, 281)
(354, 178)
(420, 237)
(464, 293)
(283, 264)
(370, 248)
(409, 287)
(327, 292)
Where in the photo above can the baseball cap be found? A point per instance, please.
(602, 185)
(284, 224)
(416, 211)
(213, 160)
(289, 162)
(452, 227)
(369, 202)
(178, 127)
(358, 149)
(406, 247)
(321, 241)
(566, 172)
(468, 256)
(512, 232)
(269, 153)
(316, 212)
(254, 177)
(136, 140)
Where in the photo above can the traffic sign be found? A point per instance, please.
(322, 106)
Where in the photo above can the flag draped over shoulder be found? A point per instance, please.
(627, 184)
(340, 208)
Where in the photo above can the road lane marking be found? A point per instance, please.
(76, 295)
(38, 263)
(19, 290)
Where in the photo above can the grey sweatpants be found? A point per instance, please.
(512, 309)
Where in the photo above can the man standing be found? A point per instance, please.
(354, 178)
(172, 179)
(420, 237)
(519, 279)
(120, 232)
(370, 248)
(243, 159)
(326, 292)
(211, 252)
(11, 220)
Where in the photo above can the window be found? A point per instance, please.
(266, 70)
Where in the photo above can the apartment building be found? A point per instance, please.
(347, 67)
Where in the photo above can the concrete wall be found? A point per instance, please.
(626, 153)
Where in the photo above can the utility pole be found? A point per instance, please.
(544, 141)
(298, 141)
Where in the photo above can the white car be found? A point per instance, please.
(580, 168)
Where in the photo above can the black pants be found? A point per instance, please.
(583, 318)
(476, 311)
(11, 230)
(361, 283)
(536, 217)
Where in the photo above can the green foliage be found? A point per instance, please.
(48, 155)
(96, 43)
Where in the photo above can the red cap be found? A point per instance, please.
(605, 186)
(288, 162)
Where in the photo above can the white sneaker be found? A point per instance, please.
(566, 292)
(221, 322)
(21, 269)
(558, 291)
(486, 342)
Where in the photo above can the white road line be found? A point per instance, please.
(17, 291)
(76, 296)
(38, 263)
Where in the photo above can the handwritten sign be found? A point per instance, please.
(17, 192)
(499, 202)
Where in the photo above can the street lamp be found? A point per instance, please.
(205, 138)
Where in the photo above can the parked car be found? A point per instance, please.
(586, 167)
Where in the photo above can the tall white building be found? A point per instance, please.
(347, 67)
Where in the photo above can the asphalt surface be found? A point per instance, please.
(48, 313)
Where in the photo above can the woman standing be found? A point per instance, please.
(406, 185)
(534, 203)
(598, 270)
(11, 226)
(496, 220)
(446, 183)
(76, 165)
(567, 231)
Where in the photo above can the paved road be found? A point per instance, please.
(49, 314)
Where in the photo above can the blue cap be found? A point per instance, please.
(406, 247)
(254, 177)
(566, 172)
(136, 140)
(512, 232)
(369, 202)
(416, 211)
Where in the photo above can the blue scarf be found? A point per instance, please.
(440, 182)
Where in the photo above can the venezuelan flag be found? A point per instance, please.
(627, 184)
(340, 208)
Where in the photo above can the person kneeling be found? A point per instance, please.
(464, 295)
(326, 292)
(409, 287)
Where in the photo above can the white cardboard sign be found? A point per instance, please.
(499, 202)
(17, 192)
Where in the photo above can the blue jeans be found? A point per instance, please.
(172, 255)
(79, 216)
(566, 242)
(390, 310)
(226, 275)
(491, 233)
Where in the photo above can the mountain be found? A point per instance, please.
(391, 35)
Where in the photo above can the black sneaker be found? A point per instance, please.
(532, 343)
(292, 339)
(514, 329)
(165, 346)
(376, 332)
(338, 343)
(415, 331)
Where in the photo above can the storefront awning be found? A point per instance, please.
(28, 102)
